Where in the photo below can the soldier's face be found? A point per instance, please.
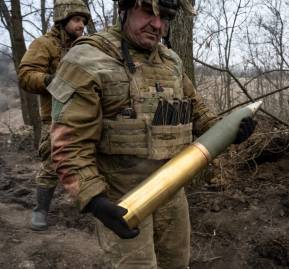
(75, 26)
(143, 27)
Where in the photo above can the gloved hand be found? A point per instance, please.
(48, 78)
(111, 216)
(246, 128)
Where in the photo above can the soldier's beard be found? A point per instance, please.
(74, 35)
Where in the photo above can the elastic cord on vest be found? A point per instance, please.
(127, 58)
(124, 48)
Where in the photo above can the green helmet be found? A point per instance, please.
(64, 9)
(169, 7)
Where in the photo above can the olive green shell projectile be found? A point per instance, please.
(166, 181)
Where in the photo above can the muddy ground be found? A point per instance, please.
(240, 217)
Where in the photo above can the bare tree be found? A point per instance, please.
(227, 17)
(13, 23)
(245, 42)
(44, 19)
(269, 51)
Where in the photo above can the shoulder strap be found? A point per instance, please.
(105, 41)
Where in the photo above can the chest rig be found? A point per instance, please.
(142, 124)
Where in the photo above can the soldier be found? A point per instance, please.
(115, 121)
(36, 70)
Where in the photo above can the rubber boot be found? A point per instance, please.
(39, 213)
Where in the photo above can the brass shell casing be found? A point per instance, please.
(168, 179)
(164, 183)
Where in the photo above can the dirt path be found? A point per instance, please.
(242, 226)
(69, 242)
(60, 247)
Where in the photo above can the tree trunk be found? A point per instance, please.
(44, 22)
(29, 102)
(114, 18)
(182, 41)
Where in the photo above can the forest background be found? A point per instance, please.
(234, 50)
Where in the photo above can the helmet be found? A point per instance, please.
(168, 7)
(64, 9)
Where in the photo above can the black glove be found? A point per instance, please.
(111, 216)
(246, 128)
(48, 78)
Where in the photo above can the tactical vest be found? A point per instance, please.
(132, 131)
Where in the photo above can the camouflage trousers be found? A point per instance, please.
(46, 176)
(164, 239)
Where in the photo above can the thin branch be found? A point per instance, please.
(6, 54)
(29, 33)
(257, 98)
(5, 45)
(265, 73)
(242, 88)
(33, 24)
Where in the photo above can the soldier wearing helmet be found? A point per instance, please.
(36, 70)
(122, 107)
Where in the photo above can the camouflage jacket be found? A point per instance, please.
(40, 60)
(91, 87)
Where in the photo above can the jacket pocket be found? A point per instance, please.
(61, 93)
